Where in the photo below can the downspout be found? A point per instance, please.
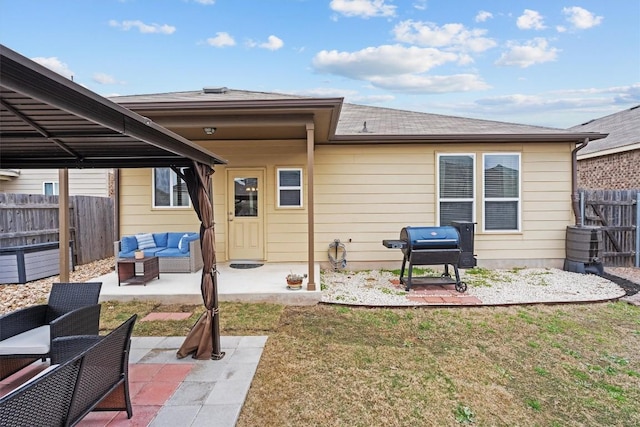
(575, 197)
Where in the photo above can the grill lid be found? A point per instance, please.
(446, 237)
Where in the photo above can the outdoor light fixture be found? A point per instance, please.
(209, 131)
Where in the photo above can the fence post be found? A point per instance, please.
(638, 229)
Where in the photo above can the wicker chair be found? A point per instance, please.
(92, 375)
(103, 383)
(45, 400)
(72, 309)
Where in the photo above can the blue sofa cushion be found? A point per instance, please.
(183, 245)
(152, 251)
(128, 244)
(145, 241)
(170, 252)
(130, 254)
(160, 239)
(173, 239)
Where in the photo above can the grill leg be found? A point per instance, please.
(455, 271)
(409, 277)
(460, 286)
(407, 281)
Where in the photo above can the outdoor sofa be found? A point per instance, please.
(28, 334)
(91, 374)
(177, 252)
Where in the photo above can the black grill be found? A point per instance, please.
(447, 245)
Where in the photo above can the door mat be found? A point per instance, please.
(245, 265)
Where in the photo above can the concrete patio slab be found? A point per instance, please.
(266, 283)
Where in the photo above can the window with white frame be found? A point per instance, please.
(169, 190)
(501, 175)
(289, 187)
(456, 184)
(50, 188)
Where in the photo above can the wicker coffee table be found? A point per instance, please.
(127, 270)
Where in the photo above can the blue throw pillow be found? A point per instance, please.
(173, 239)
(185, 240)
(145, 241)
(183, 245)
(160, 239)
(128, 244)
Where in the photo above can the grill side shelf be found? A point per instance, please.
(394, 244)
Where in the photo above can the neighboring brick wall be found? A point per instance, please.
(618, 171)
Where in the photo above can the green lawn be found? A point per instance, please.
(542, 365)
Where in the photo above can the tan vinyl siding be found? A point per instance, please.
(82, 182)
(137, 212)
(379, 189)
(367, 194)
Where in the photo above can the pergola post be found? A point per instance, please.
(63, 223)
(311, 284)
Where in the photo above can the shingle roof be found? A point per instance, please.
(623, 128)
(387, 121)
(382, 122)
(206, 94)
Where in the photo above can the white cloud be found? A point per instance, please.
(620, 94)
(530, 20)
(386, 60)
(273, 43)
(104, 79)
(456, 36)
(222, 39)
(205, 2)
(534, 51)
(54, 64)
(398, 68)
(560, 109)
(143, 28)
(363, 8)
(371, 99)
(580, 18)
(425, 84)
(483, 15)
(420, 4)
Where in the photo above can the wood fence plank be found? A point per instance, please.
(28, 219)
(615, 211)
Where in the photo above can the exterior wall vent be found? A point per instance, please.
(215, 90)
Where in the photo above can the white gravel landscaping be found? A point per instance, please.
(492, 287)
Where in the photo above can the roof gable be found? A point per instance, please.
(623, 128)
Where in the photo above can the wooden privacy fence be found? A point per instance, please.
(616, 211)
(27, 219)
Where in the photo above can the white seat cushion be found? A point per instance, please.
(34, 341)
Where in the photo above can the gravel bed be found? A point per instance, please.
(13, 297)
(493, 287)
(375, 288)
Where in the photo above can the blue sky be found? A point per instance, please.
(550, 63)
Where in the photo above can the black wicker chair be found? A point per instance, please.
(103, 383)
(43, 401)
(93, 378)
(72, 309)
